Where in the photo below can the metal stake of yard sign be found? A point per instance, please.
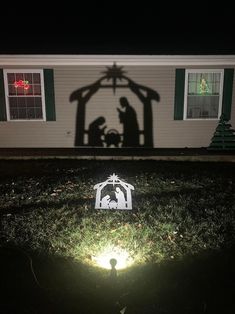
(121, 189)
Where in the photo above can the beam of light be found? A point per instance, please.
(120, 255)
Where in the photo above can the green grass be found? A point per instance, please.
(183, 212)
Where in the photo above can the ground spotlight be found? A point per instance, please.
(113, 258)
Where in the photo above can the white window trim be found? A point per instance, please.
(187, 71)
(5, 71)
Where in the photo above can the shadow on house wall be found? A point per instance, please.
(99, 134)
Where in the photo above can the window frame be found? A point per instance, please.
(187, 72)
(5, 72)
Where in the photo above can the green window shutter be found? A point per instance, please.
(227, 93)
(179, 94)
(3, 113)
(49, 94)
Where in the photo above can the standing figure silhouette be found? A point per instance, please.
(120, 198)
(127, 116)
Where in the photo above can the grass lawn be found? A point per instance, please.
(179, 238)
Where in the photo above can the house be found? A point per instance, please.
(114, 102)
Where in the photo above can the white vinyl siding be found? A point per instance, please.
(167, 132)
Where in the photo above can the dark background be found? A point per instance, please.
(116, 27)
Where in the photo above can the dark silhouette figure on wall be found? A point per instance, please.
(146, 95)
(128, 118)
(131, 132)
(96, 132)
(112, 138)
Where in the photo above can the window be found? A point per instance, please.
(24, 90)
(203, 94)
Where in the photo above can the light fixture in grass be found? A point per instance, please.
(122, 257)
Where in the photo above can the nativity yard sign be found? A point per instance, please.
(113, 194)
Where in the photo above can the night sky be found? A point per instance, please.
(139, 28)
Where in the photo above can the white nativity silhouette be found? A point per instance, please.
(123, 200)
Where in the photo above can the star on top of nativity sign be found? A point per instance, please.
(113, 194)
